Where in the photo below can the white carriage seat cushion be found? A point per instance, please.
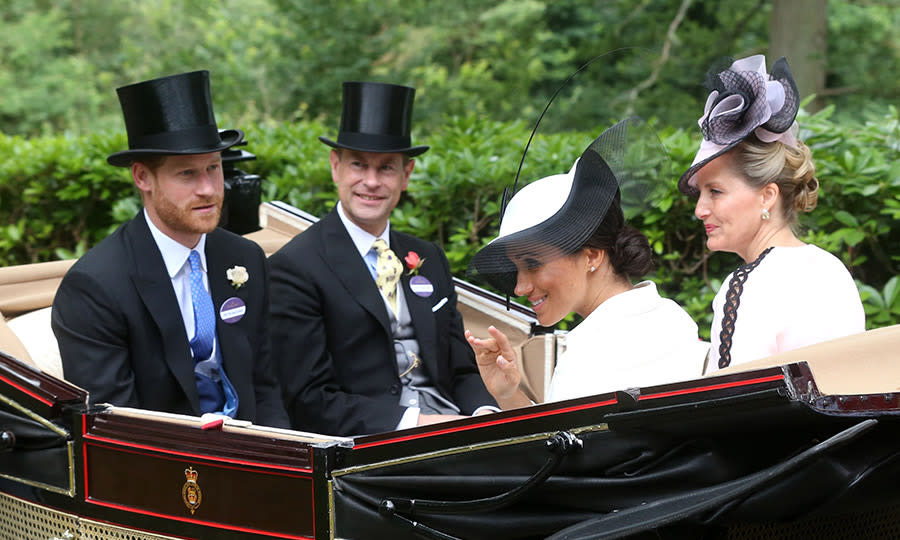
(11, 344)
(34, 331)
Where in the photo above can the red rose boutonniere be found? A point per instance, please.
(413, 262)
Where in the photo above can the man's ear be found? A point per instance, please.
(407, 171)
(142, 177)
(335, 158)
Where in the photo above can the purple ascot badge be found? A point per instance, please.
(232, 310)
(421, 286)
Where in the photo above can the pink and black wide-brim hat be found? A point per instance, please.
(171, 116)
(744, 100)
(376, 117)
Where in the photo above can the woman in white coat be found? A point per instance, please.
(564, 244)
(751, 178)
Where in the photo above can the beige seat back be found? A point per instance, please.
(34, 331)
(539, 354)
(864, 363)
(26, 294)
(29, 287)
(280, 223)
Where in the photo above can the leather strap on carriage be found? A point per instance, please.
(560, 445)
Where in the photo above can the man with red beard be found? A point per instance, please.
(169, 312)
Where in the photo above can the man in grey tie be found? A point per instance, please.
(169, 312)
(366, 336)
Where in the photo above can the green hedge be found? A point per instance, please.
(58, 196)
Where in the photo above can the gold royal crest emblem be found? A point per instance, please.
(190, 492)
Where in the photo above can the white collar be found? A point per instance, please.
(639, 299)
(173, 253)
(362, 239)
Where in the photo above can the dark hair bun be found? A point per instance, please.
(631, 256)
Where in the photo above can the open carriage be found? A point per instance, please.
(801, 445)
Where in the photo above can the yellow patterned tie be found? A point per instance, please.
(388, 270)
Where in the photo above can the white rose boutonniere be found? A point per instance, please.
(237, 275)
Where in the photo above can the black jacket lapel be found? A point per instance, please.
(231, 341)
(350, 268)
(151, 279)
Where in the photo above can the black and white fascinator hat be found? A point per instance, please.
(553, 217)
(744, 100)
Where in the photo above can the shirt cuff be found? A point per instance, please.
(409, 419)
(483, 408)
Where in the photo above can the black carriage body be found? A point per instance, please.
(759, 453)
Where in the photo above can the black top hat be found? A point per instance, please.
(171, 115)
(376, 118)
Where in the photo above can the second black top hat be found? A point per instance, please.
(376, 117)
(171, 115)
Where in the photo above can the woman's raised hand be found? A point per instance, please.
(499, 369)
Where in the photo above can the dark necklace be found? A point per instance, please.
(732, 301)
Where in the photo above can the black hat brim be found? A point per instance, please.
(411, 151)
(593, 190)
(125, 158)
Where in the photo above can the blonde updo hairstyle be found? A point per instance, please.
(792, 169)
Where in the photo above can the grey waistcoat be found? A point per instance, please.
(418, 390)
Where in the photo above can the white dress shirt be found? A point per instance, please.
(175, 256)
(363, 241)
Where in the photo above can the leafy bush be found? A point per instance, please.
(882, 307)
(58, 196)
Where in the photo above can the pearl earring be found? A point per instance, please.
(765, 214)
(592, 269)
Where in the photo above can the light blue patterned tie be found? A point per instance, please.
(204, 315)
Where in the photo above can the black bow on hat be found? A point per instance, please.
(171, 115)
(376, 117)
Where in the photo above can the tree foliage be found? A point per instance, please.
(284, 60)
